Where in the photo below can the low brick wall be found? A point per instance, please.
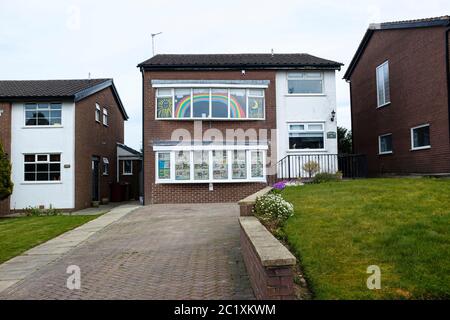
(246, 205)
(269, 264)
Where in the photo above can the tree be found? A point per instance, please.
(344, 140)
(6, 185)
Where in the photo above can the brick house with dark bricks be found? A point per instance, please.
(215, 125)
(400, 97)
(61, 136)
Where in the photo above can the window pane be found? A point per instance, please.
(296, 127)
(257, 164)
(42, 167)
(30, 158)
(30, 106)
(305, 86)
(387, 93)
(31, 122)
(201, 165)
(55, 176)
(380, 86)
(386, 143)
(219, 103)
(55, 157)
(30, 167)
(43, 106)
(256, 92)
(30, 176)
(164, 109)
(55, 106)
(201, 103)
(127, 167)
(182, 165)
(182, 103)
(164, 165)
(42, 157)
(237, 103)
(220, 165)
(315, 127)
(42, 176)
(55, 167)
(164, 92)
(239, 166)
(306, 141)
(55, 121)
(421, 137)
(255, 107)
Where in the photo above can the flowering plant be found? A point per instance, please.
(273, 208)
(280, 185)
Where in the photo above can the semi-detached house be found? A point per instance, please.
(216, 125)
(61, 137)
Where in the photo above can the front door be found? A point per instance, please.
(95, 164)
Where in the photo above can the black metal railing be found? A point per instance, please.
(305, 166)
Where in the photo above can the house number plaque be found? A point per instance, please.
(331, 135)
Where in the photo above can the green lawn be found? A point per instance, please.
(401, 225)
(20, 234)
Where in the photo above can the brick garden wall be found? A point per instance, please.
(418, 86)
(5, 140)
(94, 139)
(162, 130)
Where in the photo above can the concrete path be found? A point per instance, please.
(20, 267)
(156, 252)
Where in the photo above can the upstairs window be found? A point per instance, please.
(304, 136)
(383, 91)
(210, 103)
(97, 112)
(43, 114)
(105, 117)
(420, 137)
(305, 83)
(42, 167)
(385, 144)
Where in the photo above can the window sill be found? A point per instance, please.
(420, 148)
(42, 127)
(384, 105)
(40, 182)
(385, 153)
(127, 174)
(305, 95)
(306, 150)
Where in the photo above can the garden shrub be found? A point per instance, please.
(311, 167)
(38, 212)
(6, 185)
(327, 177)
(273, 208)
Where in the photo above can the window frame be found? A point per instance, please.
(105, 166)
(98, 113)
(25, 125)
(322, 78)
(379, 144)
(36, 162)
(306, 125)
(379, 105)
(412, 137)
(105, 117)
(210, 88)
(229, 155)
(130, 173)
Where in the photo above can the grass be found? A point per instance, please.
(20, 234)
(400, 225)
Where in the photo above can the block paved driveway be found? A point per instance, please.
(157, 252)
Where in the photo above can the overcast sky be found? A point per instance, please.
(48, 39)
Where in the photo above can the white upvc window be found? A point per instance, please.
(128, 167)
(210, 166)
(43, 114)
(306, 136)
(42, 167)
(105, 166)
(420, 137)
(305, 83)
(214, 103)
(97, 112)
(383, 89)
(385, 144)
(105, 117)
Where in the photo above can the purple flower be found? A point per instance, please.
(280, 185)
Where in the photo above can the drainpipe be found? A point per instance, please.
(351, 116)
(447, 64)
(143, 140)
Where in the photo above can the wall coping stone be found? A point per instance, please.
(271, 252)
(251, 199)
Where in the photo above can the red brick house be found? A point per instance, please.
(400, 97)
(212, 122)
(62, 138)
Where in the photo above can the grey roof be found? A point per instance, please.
(443, 21)
(44, 89)
(238, 61)
(129, 149)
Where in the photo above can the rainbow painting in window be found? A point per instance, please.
(182, 103)
(237, 103)
(219, 103)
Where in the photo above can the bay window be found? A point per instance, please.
(210, 103)
(210, 166)
(306, 136)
